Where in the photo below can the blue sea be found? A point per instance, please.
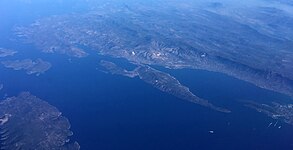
(111, 112)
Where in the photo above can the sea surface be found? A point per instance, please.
(111, 112)
(115, 112)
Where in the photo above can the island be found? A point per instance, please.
(28, 122)
(7, 52)
(161, 81)
(280, 112)
(37, 67)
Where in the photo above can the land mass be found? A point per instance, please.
(161, 81)
(37, 67)
(7, 52)
(208, 38)
(27, 122)
(275, 110)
